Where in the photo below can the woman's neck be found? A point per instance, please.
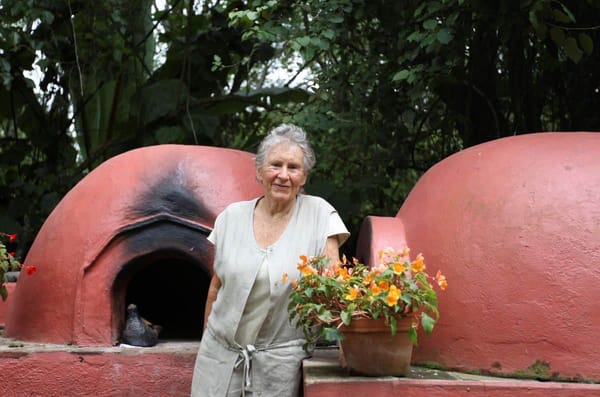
(274, 209)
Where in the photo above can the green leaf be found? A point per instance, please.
(444, 36)
(346, 317)
(430, 24)
(414, 37)
(331, 334)
(564, 16)
(572, 49)
(303, 41)
(401, 75)
(393, 325)
(161, 98)
(325, 316)
(427, 323)
(586, 43)
(412, 335)
(558, 36)
(328, 33)
(169, 135)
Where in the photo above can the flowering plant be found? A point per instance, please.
(328, 296)
(8, 261)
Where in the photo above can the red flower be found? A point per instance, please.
(11, 254)
(30, 269)
(12, 237)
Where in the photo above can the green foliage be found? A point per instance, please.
(385, 89)
(8, 262)
(99, 92)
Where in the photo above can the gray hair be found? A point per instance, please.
(286, 133)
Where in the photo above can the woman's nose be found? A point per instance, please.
(284, 173)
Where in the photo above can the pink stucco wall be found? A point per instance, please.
(515, 226)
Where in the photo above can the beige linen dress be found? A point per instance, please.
(227, 362)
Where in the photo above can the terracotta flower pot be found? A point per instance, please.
(370, 349)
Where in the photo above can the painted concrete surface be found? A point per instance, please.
(165, 370)
(514, 224)
(82, 247)
(323, 377)
(35, 369)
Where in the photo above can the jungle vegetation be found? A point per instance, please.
(385, 88)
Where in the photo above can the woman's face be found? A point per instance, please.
(282, 175)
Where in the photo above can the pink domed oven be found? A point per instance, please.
(515, 226)
(132, 231)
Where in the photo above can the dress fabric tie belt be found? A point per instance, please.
(245, 356)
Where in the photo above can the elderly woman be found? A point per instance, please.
(249, 346)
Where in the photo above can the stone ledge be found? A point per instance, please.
(323, 377)
(55, 370)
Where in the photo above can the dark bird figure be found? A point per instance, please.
(139, 331)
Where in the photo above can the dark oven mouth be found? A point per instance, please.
(167, 278)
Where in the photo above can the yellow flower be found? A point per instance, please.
(418, 265)
(393, 296)
(352, 294)
(398, 268)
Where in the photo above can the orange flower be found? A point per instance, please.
(384, 285)
(367, 279)
(304, 267)
(418, 265)
(343, 273)
(393, 296)
(398, 268)
(441, 280)
(308, 270)
(284, 277)
(375, 290)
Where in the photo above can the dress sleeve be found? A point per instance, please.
(212, 237)
(337, 227)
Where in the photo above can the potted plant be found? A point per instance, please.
(349, 300)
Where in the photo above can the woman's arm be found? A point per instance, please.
(213, 289)
(332, 249)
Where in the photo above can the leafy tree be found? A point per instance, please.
(385, 88)
(399, 86)
(104, 89)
